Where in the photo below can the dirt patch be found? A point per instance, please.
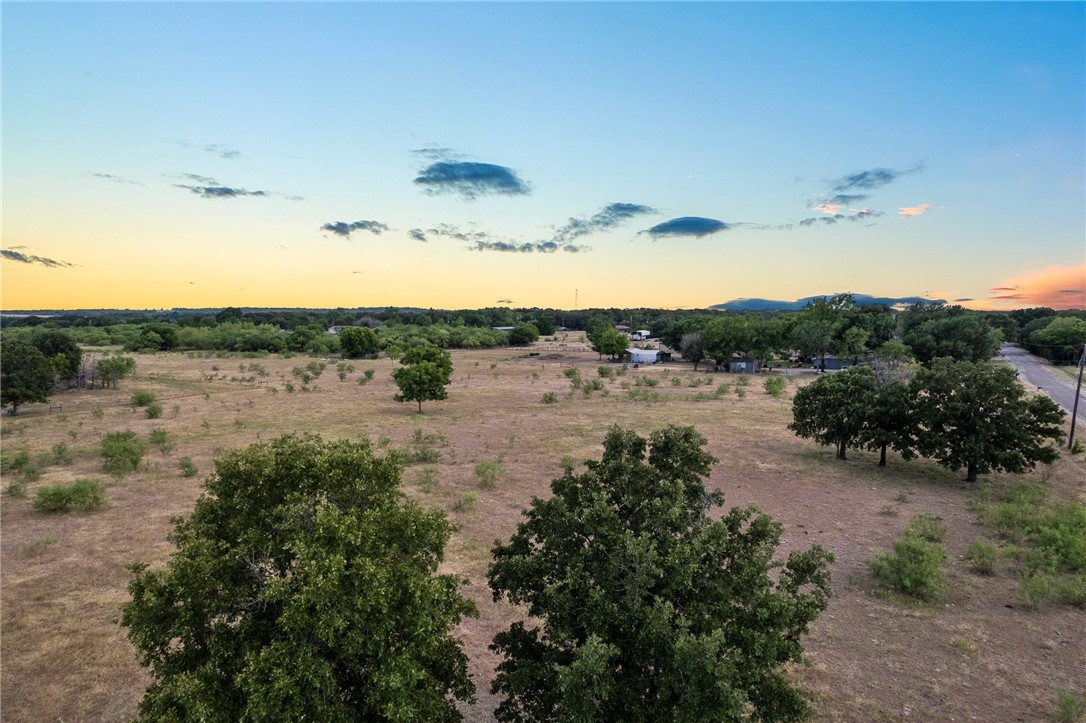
(976, 655)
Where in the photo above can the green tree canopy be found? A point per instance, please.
(961, 336)
(1061, 339)
(426, 372)
(112, 369)
(26, 375)
(303, 587)
(608, 340)
(977, 416)
(833, 409)
(357, 342)
(648, 609)
(523, 334)
(52, 342)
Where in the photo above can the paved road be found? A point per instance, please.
(1040, 375)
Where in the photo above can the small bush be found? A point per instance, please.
(775, 386)
(187, 466)
(142, 398)
(368, 374)
(982, 556)
(428, 478)
(466, 502)
(1070, 706)
(740, 391)
(62, 454)
(121, 453)
(550, 398)
(574, 377)
(154, 410)
(927, 527)
(98, 413)
(605, 372)
(742, 380)
(82, 495)
(160, 438)
(912, 568)
(489, 473)
(592, 385)
(646, 382)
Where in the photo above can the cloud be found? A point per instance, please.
(215, 149)
(471, 180)
(609, 216)
(22, 258)
(857, 215)
(911, 211)
(504, 301)
(345, 229)
(210, 188)
(113, 178)
(438, 153)
(1057, 287)
(871, 179)
(417, 234)
(688, 226)
(511, 247)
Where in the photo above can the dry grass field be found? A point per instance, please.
(977, 655)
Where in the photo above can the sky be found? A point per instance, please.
(564, 155)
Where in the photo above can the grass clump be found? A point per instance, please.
(775, 386)
(62, 453)
(605, 372)
(81, 495)
(1049, 539)
(913, 567)
(121, 453)
(141, 398)
(428, 478)
(982, 556)
(466, 502)
(927, 527)
(153, 410)
(187, 467)
(160, 437)
(1070, 706)
(574, 377)
(490, 473)
(549, 398)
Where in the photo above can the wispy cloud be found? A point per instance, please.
(858, 215)
(216, 149)
(504, 301)
(1057, 287)
(470, 180)
(911, 211)
(417, 234)
(870, 179)
(687, 226)
(206, 187)
(22, 258)
(112, 178)
(345, 229)
(608, 217)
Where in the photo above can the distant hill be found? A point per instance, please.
(798, 304)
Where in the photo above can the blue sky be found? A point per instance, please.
(452, 155)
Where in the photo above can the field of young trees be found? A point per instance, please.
(946, 599)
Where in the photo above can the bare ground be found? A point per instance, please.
(978, 655)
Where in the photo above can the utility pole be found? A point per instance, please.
(1078, 392)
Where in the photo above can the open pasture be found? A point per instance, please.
(978, 654)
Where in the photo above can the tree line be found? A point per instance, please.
(971, 415)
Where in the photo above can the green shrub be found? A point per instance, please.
(62, 454)
(549, 398)
(187, 466)
(428, 478)
(489, 473)
(982, 556)
(466, 502)
(742, 380)
(141, 398)
(592, 385)
(154, 410)
(927, 527)
(646, 382)
(160, 438)
(912, 568)
(82, 495)
(1070, 706)
(121, 453)
(574, 377)
(775, 386)
(606, 372)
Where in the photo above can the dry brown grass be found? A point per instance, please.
(65, 658)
